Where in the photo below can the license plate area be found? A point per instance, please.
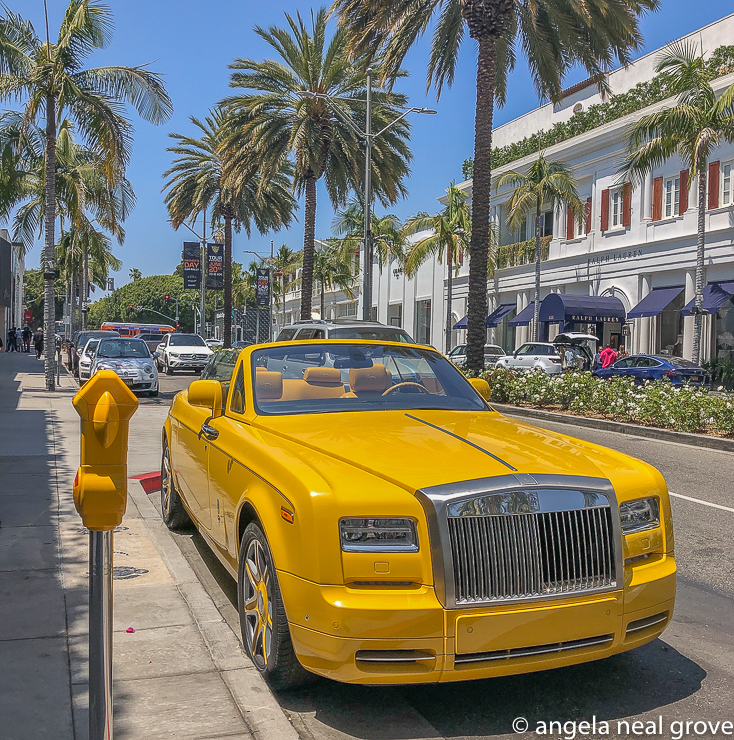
(528, 626)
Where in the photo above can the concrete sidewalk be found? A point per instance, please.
(182, 673)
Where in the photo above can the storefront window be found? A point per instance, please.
(724, 332)
(505, 336)
(395, 314)
(423, 321)
(670, 328)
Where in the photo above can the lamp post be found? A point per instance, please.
(202, 263)
(369, 138)
(270, 294)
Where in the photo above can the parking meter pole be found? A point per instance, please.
(257, 324)
(100, 635)
(58, 364)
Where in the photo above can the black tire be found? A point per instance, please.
(174, 514)
(169, 370)
(153, 394)
(270, 650)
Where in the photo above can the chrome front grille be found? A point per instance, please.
(525, 555)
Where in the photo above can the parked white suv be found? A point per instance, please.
(343, 329)
(182, 352)
(492, 353)
(534, 356)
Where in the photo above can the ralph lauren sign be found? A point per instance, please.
(602, 259)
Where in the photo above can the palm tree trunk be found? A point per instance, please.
(308, 247)
(536, 310)
(481, 189)
(450, 298)
(283, 298)
(84, 301)
(323, 301)
(49, 276)
(700, 268)
(227, 281)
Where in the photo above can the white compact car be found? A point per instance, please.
(131, 360)
(182, 352)
(86, 358)
(534, 356)
(492, 353)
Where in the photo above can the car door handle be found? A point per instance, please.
(208, 431)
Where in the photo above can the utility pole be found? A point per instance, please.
(270, 293)
(367, 274)
(204, 274)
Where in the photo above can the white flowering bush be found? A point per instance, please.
(660, 404)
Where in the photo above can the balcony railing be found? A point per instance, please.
(521, 253)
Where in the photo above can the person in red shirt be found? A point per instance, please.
(608, 357)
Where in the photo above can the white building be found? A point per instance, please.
(628, 272)
(12, 269)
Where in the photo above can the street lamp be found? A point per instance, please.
(202, 263)
(369, 139)
(270, 295)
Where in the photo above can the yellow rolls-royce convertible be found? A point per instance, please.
(386, 525)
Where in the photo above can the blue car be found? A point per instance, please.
(655, 367)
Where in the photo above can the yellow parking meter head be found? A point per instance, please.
(105, 405)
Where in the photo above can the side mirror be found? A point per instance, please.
(207, 394)
(514, 354)
(481, 387)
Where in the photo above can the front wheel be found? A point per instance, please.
(263, 622)
(169, 369)
(174, 514)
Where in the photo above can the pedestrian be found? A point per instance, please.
(608, 357)
(622, 352)
(38, 342)
(596, 362)
(571, 358)
(11, 340)
(27, 334)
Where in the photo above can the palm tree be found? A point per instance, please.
(450, 235)
(545, 183)
(331, 270)
(691, 128)
(553, 35)
(278, 112)
(285, 263)
(388, 240)
(52, 80)
(197, 182)
(135, 274)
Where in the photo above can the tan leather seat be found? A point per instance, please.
(318, 382)
(366, 382)
(268, 385)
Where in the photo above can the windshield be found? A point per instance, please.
(186, 340)
(327, 378)
(91, 346)
(379, 333)
(123, 348)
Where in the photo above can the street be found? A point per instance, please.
(687, 675)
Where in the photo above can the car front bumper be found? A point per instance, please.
(386, 636)
(181, 363)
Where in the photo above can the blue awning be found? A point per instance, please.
(558, 308)
(524, 317)
(715, 295)
(498, 314)
(462, 323)
(654, 302)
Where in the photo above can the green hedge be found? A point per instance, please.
(657, 404)
(618, 106)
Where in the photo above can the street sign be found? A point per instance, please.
(192, 265)
(262, 289)
(215, 261)
(110, 283)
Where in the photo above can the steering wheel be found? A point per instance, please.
(406, 384)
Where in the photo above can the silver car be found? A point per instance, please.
(86, 358)
(492, 353)
(131, 360)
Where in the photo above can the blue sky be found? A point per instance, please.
(191, 43)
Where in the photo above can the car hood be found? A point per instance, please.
(190, 349)
(421, 448)
(125, 362)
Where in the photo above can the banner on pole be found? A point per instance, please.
(262, 290)
(192, 265)
(215, 272)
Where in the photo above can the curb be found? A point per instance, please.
(259, 708)
(664, 435)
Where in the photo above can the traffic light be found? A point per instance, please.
(131, 306)
(167, 297)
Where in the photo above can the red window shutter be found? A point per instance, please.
(657, 199)
(569, 223)
(713, 184)
(588, 215)
(627, 204)
(604, 210)
(683, 202)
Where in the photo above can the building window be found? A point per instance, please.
(347, 309)
(671, 197)
(546, 223)
(615, 203)
(727, 193)
(521, 233)
(423, 321)
(395, 314)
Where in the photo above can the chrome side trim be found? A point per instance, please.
(436, 500)
(643, 624)
(557, 647)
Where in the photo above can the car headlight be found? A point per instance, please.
(636, 516)
(148, 368)
(378, 535)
